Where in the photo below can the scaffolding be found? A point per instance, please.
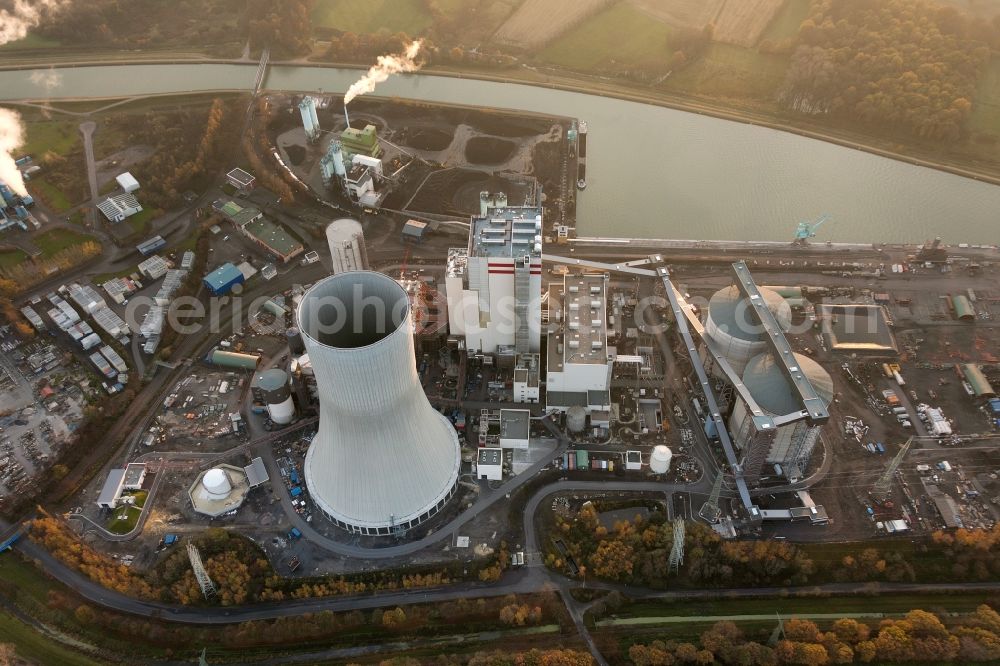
(677, 551)
(204, 582)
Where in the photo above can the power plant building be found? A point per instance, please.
(383, 459)
(347, 246)
(788, 446)
(494, 285)
(579, 359)
(361, 142)
(332, 163)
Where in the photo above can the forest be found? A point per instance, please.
(905, 64)
(918, 637)
(637, 551)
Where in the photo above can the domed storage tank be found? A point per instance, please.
(277, 394)
(734, 329)
(576, 419)
(216, 482)
(659, 461)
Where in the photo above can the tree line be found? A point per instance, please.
(902, 64)
(637, 552)
(917, 637)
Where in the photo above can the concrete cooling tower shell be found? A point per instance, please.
(733, 328)
(383, 457)
(767, 383)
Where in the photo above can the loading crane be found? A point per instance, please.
(807, 230)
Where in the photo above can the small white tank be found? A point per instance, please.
(216, 482)
(659, 462)
(576, 418)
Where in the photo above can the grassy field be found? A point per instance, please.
(11, 258)
(36, 647)
(51, 242)
(49, 193)
(140, 222)
(59, 136)
(727, 71)
(743, 22)
(694, 14)
(786, 22)
(986, 104)
(30, 42)
(537, 22)
(598, 40)
(366, 16)
(124, 519)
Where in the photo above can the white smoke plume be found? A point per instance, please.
(23, 16)
(49, 79)
(386, 66)
(11, 138)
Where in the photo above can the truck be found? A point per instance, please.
(880, 447)
(899, 410)
(294, 533)
(890, 397)
(899, 378)
(296, 491)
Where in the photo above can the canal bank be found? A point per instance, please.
(654, 171)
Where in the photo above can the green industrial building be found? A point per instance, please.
(360, 142)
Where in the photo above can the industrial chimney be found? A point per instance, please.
(383, 458)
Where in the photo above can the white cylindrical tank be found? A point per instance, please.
(347, 246)
(216, 482)
(383, 458)
(275, 388)
(659, 461)
(576, 418)
(734, 329)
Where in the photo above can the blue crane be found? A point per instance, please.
(807, 229)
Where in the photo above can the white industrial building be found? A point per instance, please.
(127, 182)
(527, 379)
(109, 321)
(383, 459)
(119, 207)
(579, 360)
(87, 298)
(489, 464)
(494, 284)
(347, 246)
(154, 267)
(219, 490)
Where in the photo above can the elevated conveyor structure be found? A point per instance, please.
(681, 315)
(814, 407)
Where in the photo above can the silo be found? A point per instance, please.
(337, 152)
(734, 329)
(216, 482)
(576, 419)
(295, 344)
(787, 445)
(277, 395)
(347, 246)
(659, 461)
(383, 458)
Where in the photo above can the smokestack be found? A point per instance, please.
(346, 117)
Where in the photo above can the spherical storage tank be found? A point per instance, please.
(383, 458)
(576, 418)
(216, 482)
(273, 385)
(659, 461)
(733, 326)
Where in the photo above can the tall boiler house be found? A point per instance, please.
(347, 246)
(383, 460)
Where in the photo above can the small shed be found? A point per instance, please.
(223, 279)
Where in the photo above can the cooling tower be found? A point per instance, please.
(383, 459)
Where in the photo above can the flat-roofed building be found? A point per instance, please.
(515, 428)
(857, 329)
(579, 360)
(241, 180)
(489, 464)
(119, 207)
